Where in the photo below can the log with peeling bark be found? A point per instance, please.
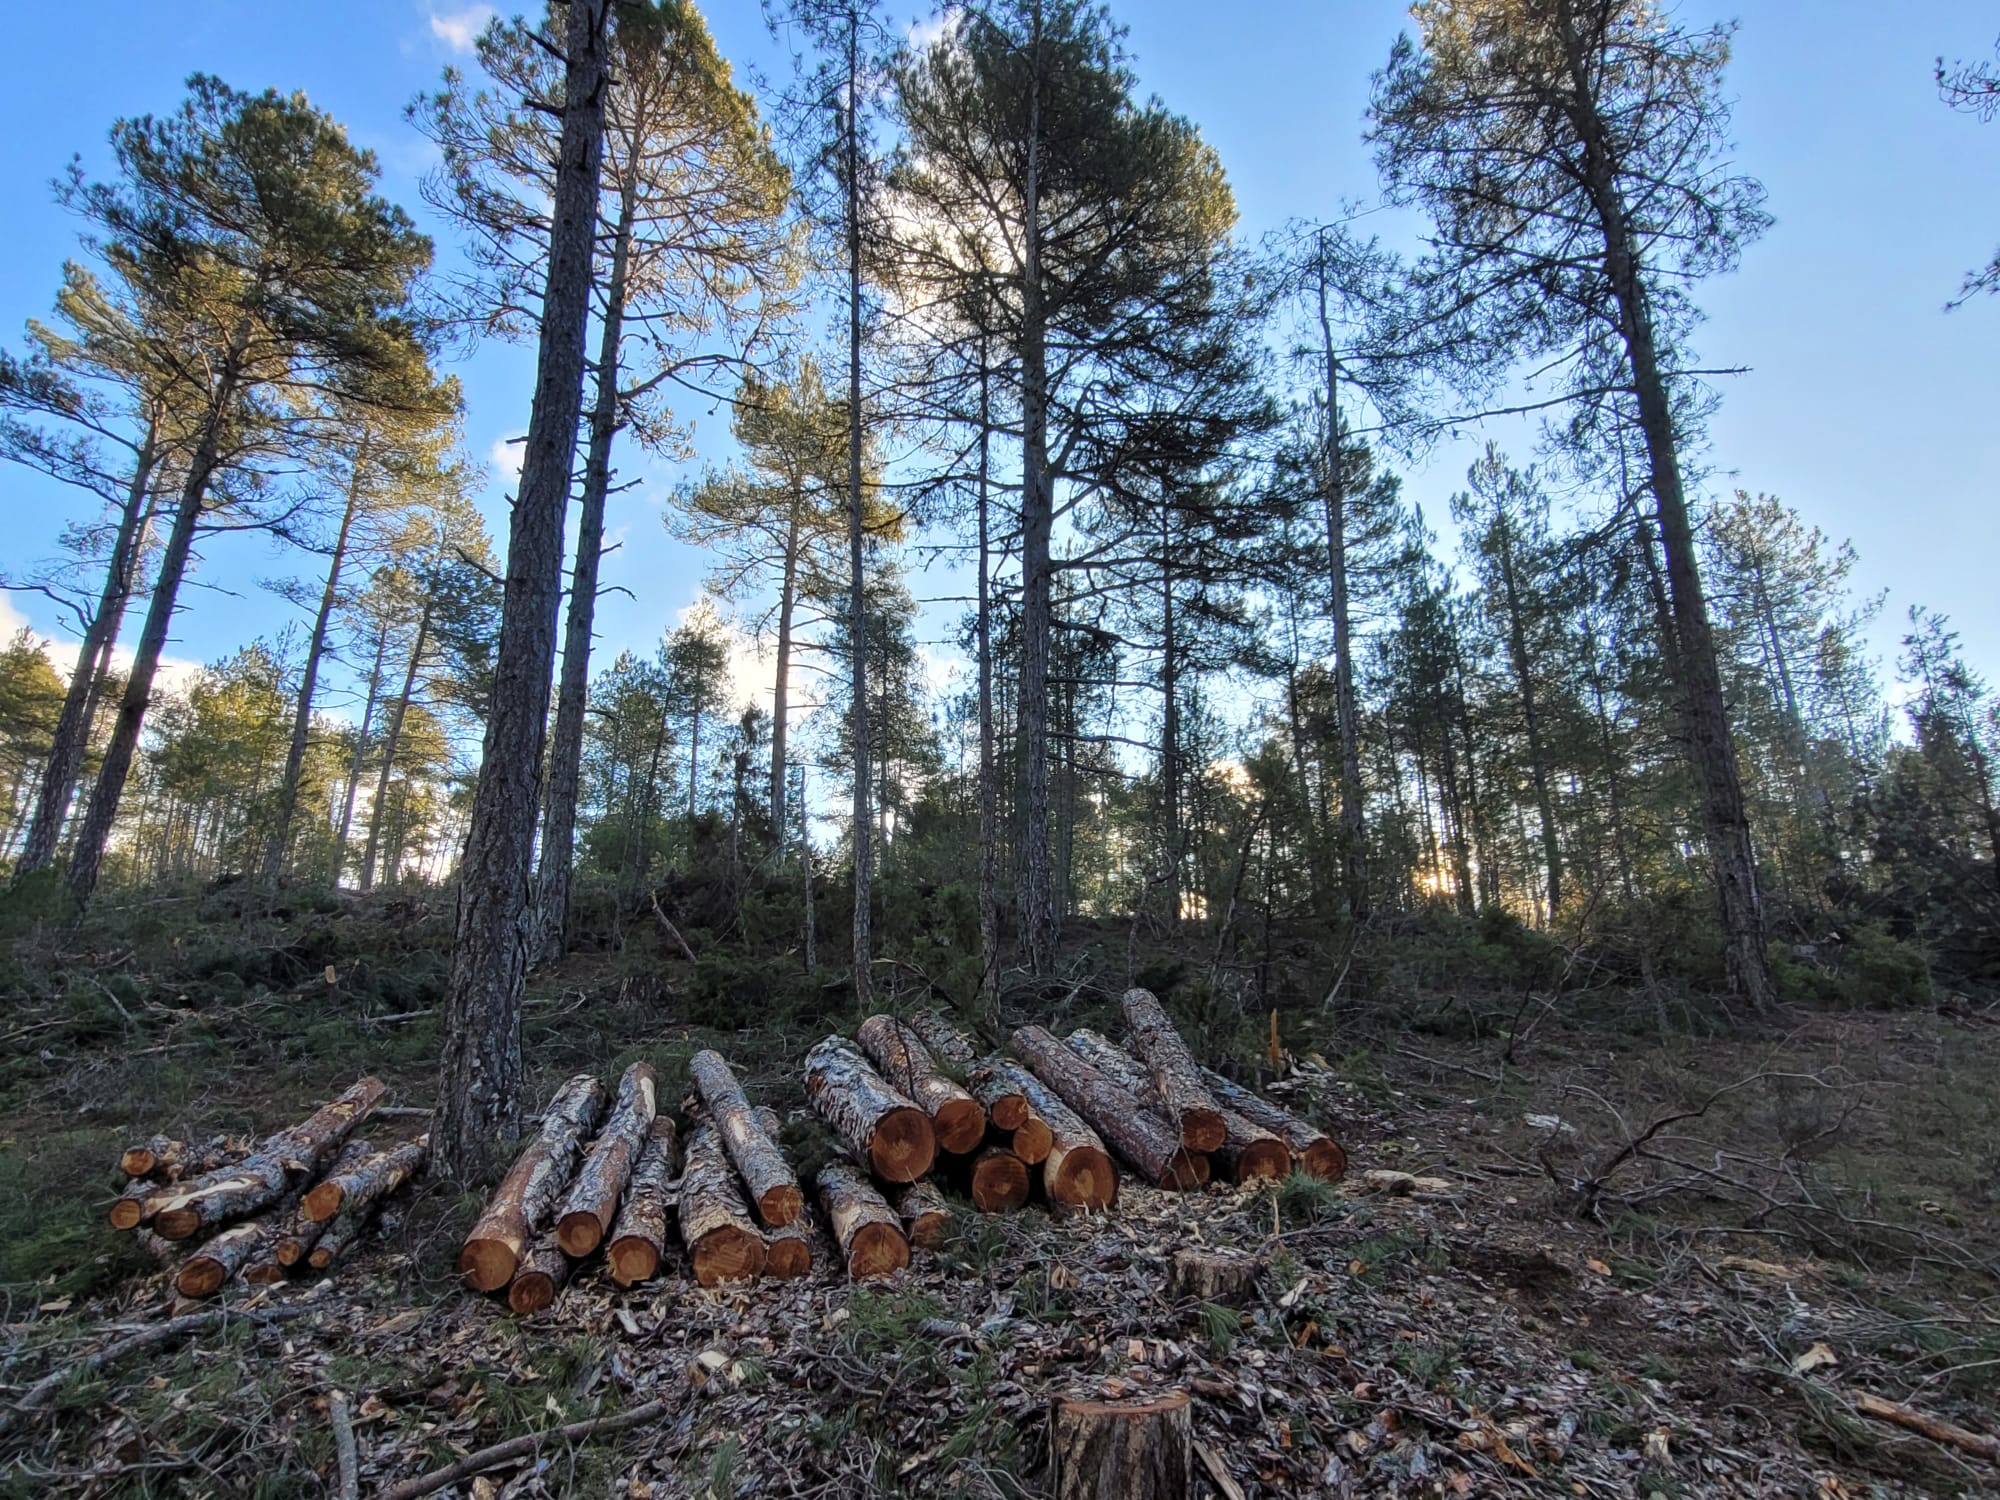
(367, 1186)
(165, 1159)
(1003, 1103)
(543, 1273)
(265, 1176)
(774, 1190)
(721, 1237)
(1123, 1450)
(1077, 1172)
(1177, 1082)
(881, 1128)
(999, 1181)
(926, 1216)
(203, 1273)
(1315, 1152)
(528, 1195)
(946, 1042)
(788, 1248)
(592, 1200)
(1248, 1151)
(957, 1119)
(866, 1228)
(1144, 1140)
(638, 1242)
(298, 1231)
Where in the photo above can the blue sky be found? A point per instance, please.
(1866, 406)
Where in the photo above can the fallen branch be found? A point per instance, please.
(1935, 1428)
(521, 1447)
(346, 1452)
(673, 933)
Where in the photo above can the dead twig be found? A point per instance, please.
(1950, 1434)
(522, 1447)
(346, 1451)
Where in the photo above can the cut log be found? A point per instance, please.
(1937, 1429)
(367, 1186)
(1248, 1151)
(203, 1273)
(1315, 1152)
(870, 1236)
(639, 1238)
(592, 1200)
(1003, 1103)
(298, 1231)
(528, 1195)
(1123, 1450)
(999, 1181)
(788, 1248)
(1077, 1171)
(926, 1216)
(1033, 1140)
(1144, 1140)
(946, 1042)
(721, 1238)
(136, 1205)
(881, 1128)
(264, 1270)
(774, 1190)
(263, 1177)
(1177, 1082)
(543, 1273)
(957, 1119)
(1210, 1276)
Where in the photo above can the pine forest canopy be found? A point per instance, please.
(1059, 560)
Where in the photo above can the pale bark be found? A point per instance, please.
(869, 1234)
(957, 1118)
(592, 1199)
(533, 1186)
(638, 1241)
(721, 1238)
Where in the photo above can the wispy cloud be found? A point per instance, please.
(174, 671)
(505, 455)
(924, 32)
(458, 29)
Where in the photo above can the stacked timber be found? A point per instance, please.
(592, 1200)
(754, 1152)
(528, 1194)
(1315, 1152)
(721, 1238)
(1248, 1151)
(1077, 1172)
(788, 1248)
(1177, 1082)
(883, 1130)
(1151, 1146)
(870, 1235)
(638, 1241)
(957, 1119)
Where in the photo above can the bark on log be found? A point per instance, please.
(999, 1181)
(946, 1042)
(543, 1273)
(203, 1273)
(1247, 1152)
(162, 1157)
(1317, 1153)
(264, 1176)
(721, 1238)
(870, 1236)
(370, 1183)
(881, 1128)
(1144, 1140)
(592, 1201)
(1004, 1104)
(788, 1248)
(957, 1119)
(1210, 1276)
(926, 1216)
(136, 1205)
(297, 1232)
(1123, 1450)
(532, 1187)
(1077, 1171)
(639, 1238)
(1177, 1080)
(774, 1190)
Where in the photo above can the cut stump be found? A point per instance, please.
(1123, 1450)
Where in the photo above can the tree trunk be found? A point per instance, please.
(774, 1190)
(1353, 818)
(989, 819)
(592, 1200)
(1175, 1073)
(71, 743)
(566, 747)
(392, 739)
(1143, 1140)
(881, 1128)
(999, 1182)
(1123, 1450)
(721, 1238)
(857, 619)
(638, 1240)
(926, 1216)
(1524, 677)
(1320, 1156)
(870, 1236)
(957, 1119)
(528, 1195)
(543, 1273)
(479, 1075)
(781, 690)
(360, 754)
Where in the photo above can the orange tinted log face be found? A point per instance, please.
(903, 1146)
(876, 1250)
(728, 1254)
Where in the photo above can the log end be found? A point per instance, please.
(579, 1232)
(202, 1276)
(1325, 1160)
(1033, 1140)
(1263, 1159)
(322, 1202)
(1203, 1130)
(264, 1273)
(781, 1205)
(903, 1145)
(1187, 1171)
(127, 1213)
(321, 1258)
(788, 1258)
(288, 1252)
(999, 1182)
(727, 1254)
(632, 1260)
(1010, 1112)
(488, 1265)
(1085, 1179)
(876, 1250)
(176, 1223)
(530, 1292)
(960, 1125)
(138, 1162)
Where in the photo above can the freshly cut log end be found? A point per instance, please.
(1317, 1153)
(774, 1190)
(722, 1239)
(268, 1271)
(1003, 1103)
(592, 1200)
(867, 1230)
(1267, 1158)
(130, 1208)
(1143, 1139)
(639, 1238)
(1176, 1075)
(1324, 1159)
(543, 1274)
(333, 1188)
(958, 1120)
(1122, 1450)
(877, 1125)
(528, 1195)
(153, 1156)
(1186, 1168)
(203, 1273)
(960, 1125)
(926, 1216)
(1032, 1140)
(788, 1251)
(999, 1181)
(1077, 1172)
(218, 1199)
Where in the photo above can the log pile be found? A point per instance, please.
(225, 1210)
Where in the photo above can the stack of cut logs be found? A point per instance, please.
(295, 1202)
(914, 1094)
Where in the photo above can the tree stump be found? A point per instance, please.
(1211, 1276)
(1123, 1450)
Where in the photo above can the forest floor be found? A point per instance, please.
(1632, 1261)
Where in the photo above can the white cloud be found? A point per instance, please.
(174, 672)
(505, 455)
(923, 33)
(458, 29)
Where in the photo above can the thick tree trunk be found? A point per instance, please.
(566, 746)
(880, 1128)
(479, 1076)
(1318, 1154)
(592, 1200)
(1222, 1277)
(926, 1216)
(543, 1273)
(1077, 1171)
(1123, 1450)
(870, 1236)
(774, 1190)
(999, 1182)
(1145, 1141)
(857, 617)
(71, 742)
(1175, 1073)
(989, 791)
(638, 1240)
(957, 1118)
(721, 1238)
(528, 1195)
(392, 740)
